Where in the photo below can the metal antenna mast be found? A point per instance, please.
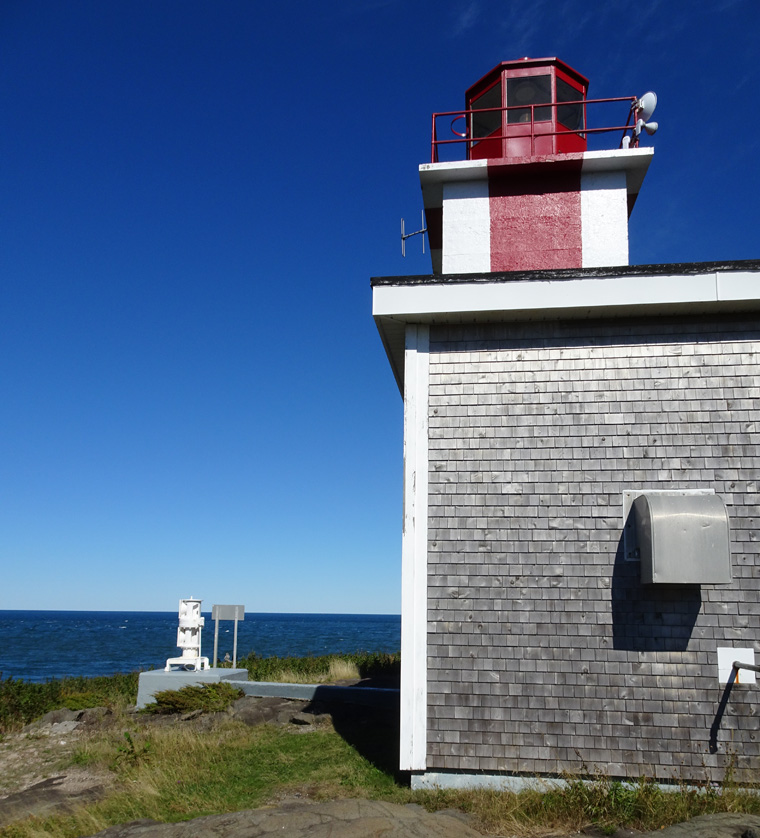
(405, 236)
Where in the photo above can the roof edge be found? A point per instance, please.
(665, 269)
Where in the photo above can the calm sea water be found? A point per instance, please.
(38, 645)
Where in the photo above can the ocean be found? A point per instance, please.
(39, 645)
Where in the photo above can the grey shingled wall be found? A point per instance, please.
(545, 653)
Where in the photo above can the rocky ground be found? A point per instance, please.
(36, 775)
(375, 819)
(33, 782)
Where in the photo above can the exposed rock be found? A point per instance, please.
(368, 819)
(270, 710)
(723, 825)
(51, 796)
(54, 717)
(95, 716)
(335, 819)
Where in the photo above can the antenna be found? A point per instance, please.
(643, 109)
(405, 236)
(646, 105)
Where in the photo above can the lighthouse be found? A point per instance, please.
(528, 194)
(579, 547)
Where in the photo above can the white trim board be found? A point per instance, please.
(413, 738)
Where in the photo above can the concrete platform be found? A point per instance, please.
(157, 680)
(329, 693)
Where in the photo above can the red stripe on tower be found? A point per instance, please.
(535, 220)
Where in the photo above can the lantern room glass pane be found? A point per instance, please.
(571, 116)
(529, 90)
(486, 123)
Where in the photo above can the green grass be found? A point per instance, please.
(314, 667)
(604, 804)
(174, 773)
(179, 771)
(22, 702)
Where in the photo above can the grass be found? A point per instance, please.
(601, 803)
(179, 771)
(321, 669)
(176, 772)
(338, 670)
(173, 773)
(22, 702)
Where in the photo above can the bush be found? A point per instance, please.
(100, 691)
(22, 702)
(209, 698)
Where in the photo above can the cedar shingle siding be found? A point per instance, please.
(545, 653)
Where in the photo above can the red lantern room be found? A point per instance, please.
(529, 195)
(526, 108)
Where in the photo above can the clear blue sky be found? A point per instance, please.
(193, 198)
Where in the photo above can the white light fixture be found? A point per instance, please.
(649, 127)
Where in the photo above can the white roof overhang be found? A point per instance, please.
(557, 295)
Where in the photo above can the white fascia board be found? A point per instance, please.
(455, 170)
(740, 285)
(633, 161)
(554, 299)
(472, 298)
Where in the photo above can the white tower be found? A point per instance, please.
(189, 637)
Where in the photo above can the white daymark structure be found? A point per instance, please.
(189, 637)
(190, 668)
(581, 549)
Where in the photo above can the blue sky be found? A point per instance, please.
(193, 198)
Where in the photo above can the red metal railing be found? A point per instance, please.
(536, 129)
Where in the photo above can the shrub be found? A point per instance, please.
(209, 698)
(22, 702)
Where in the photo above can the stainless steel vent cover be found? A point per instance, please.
(682, 539)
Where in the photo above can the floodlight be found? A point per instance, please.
(649, 127)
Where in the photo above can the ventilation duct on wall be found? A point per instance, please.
(682, 538)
